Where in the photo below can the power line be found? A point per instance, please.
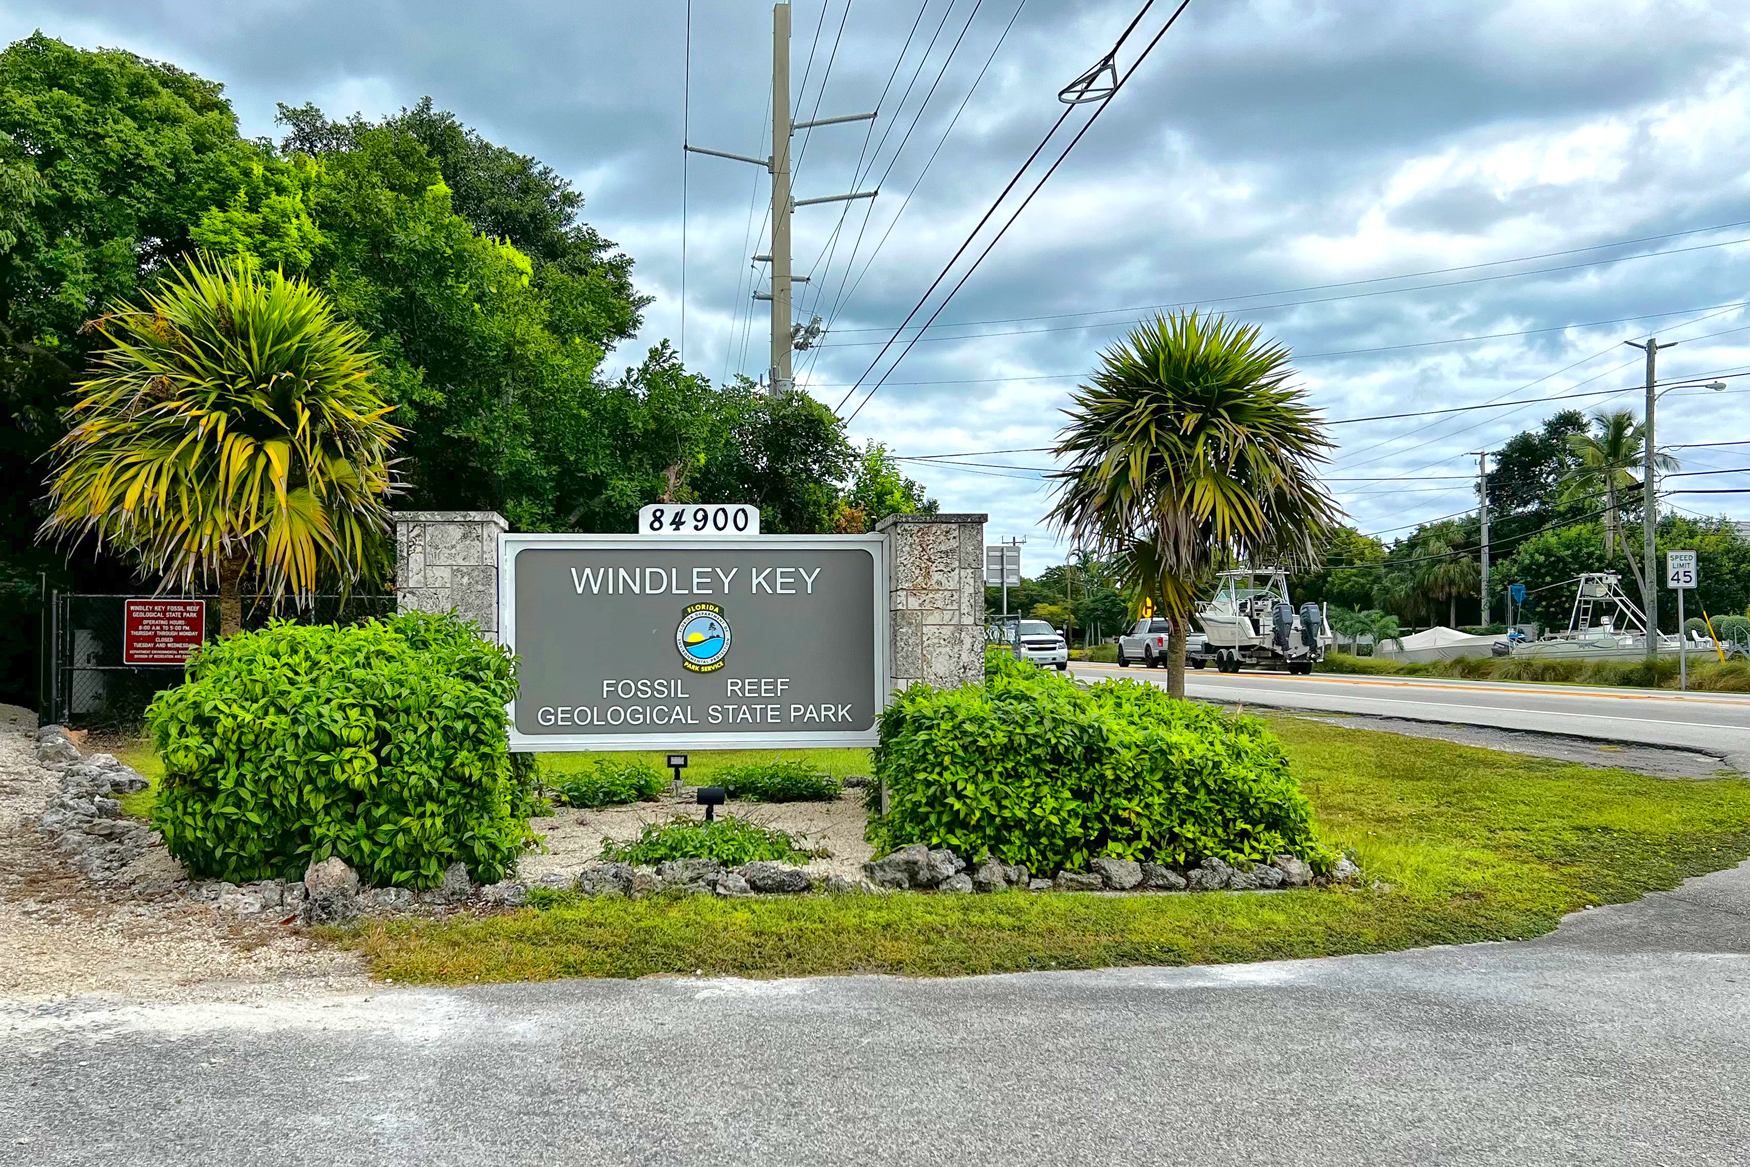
(947, 60)
(1357, 283)
(686, 156)
(1342, 352)
(843, 297)
(1101, 108)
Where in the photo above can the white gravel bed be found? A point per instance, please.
(574, 837)
(62, 937)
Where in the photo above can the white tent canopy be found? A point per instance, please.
(1436, 644)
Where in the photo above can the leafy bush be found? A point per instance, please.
(729, 840)
(609, 783)
(778, 781)
(382, 743)
(1035, 769)
(1729, 628)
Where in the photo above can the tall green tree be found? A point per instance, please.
(1189, 446)
(231, 431)
(1603, 477)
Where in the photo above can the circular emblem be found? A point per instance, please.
(702, 637)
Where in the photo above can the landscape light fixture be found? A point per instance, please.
(712, 797)
(677, 763)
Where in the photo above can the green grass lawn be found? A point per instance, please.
(1474, 845)
(138, 753)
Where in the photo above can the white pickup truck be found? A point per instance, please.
(1146, 644)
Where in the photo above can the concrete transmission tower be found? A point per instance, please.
(784, 338)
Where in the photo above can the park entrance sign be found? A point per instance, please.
(653, 642)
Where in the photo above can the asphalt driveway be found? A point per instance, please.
(1624, 1037)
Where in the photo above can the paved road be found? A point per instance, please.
(1715, 723)
(1622, 1038)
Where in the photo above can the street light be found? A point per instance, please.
(1650, 493)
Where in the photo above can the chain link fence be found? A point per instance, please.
(87, 683)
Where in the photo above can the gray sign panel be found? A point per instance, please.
(637, 642)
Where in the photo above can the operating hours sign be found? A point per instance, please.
(161, 631)
(689, 640)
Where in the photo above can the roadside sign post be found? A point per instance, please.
(1002, 567)
(1680, 576)
(1515, 593)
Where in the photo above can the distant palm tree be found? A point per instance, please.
(1446, 571)
(1610, 454)
(1189, 447)
(1373, 624)
(230, 430)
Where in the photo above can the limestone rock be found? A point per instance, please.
(457, 886)
(1211, 875)
(689, 875)
(732, 885)
(507, 894)
(605, 879)
(990, 876)
(333, 889)
(1296, 872)
(1039, 885)
(775, 878)
(1346, 871)
(906, 867)
(1162, 878)
(645, 882)
(55, 750)
(1117, 874)
(944, 864)
(1078, 881)
(957, 884)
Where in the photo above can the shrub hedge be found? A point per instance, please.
(609, 783)
(776, 781)
(382, 743)
(730, 840)
(1035, 769)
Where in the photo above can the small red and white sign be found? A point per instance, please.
(162, 632)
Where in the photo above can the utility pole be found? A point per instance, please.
(1650, 499)
(1483, 496)
(784, 333)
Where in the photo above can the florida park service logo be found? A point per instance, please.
(702, 638)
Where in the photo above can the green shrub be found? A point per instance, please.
(1729, 628)
(729, 840)
(382, 743)
(778, 781)
(1035, 769)
(609, 783)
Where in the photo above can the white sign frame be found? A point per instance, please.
(699, 520)
(510, 544)
(1682, 572)
(1006, 560)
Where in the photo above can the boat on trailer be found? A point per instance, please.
(1605, 625)
(1251, 620)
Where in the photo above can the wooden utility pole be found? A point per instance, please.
(780, 376)
(1650, 499)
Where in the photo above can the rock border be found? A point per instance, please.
(86, 824)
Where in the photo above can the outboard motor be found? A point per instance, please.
(1284, 626)
(1312, 623)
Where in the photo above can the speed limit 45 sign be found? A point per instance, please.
(1680, 570)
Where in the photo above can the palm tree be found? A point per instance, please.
(1446, 571)
(230, 429)
(1373, 624)
(1189, 447)
(1609, 455)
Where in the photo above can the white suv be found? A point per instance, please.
(1039, 642)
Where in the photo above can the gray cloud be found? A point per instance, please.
(1266, 145)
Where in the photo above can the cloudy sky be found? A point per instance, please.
(1435, 204)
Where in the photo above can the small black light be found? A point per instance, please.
(712, 797)
(677, 763)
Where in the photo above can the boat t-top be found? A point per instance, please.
(1605, 624)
